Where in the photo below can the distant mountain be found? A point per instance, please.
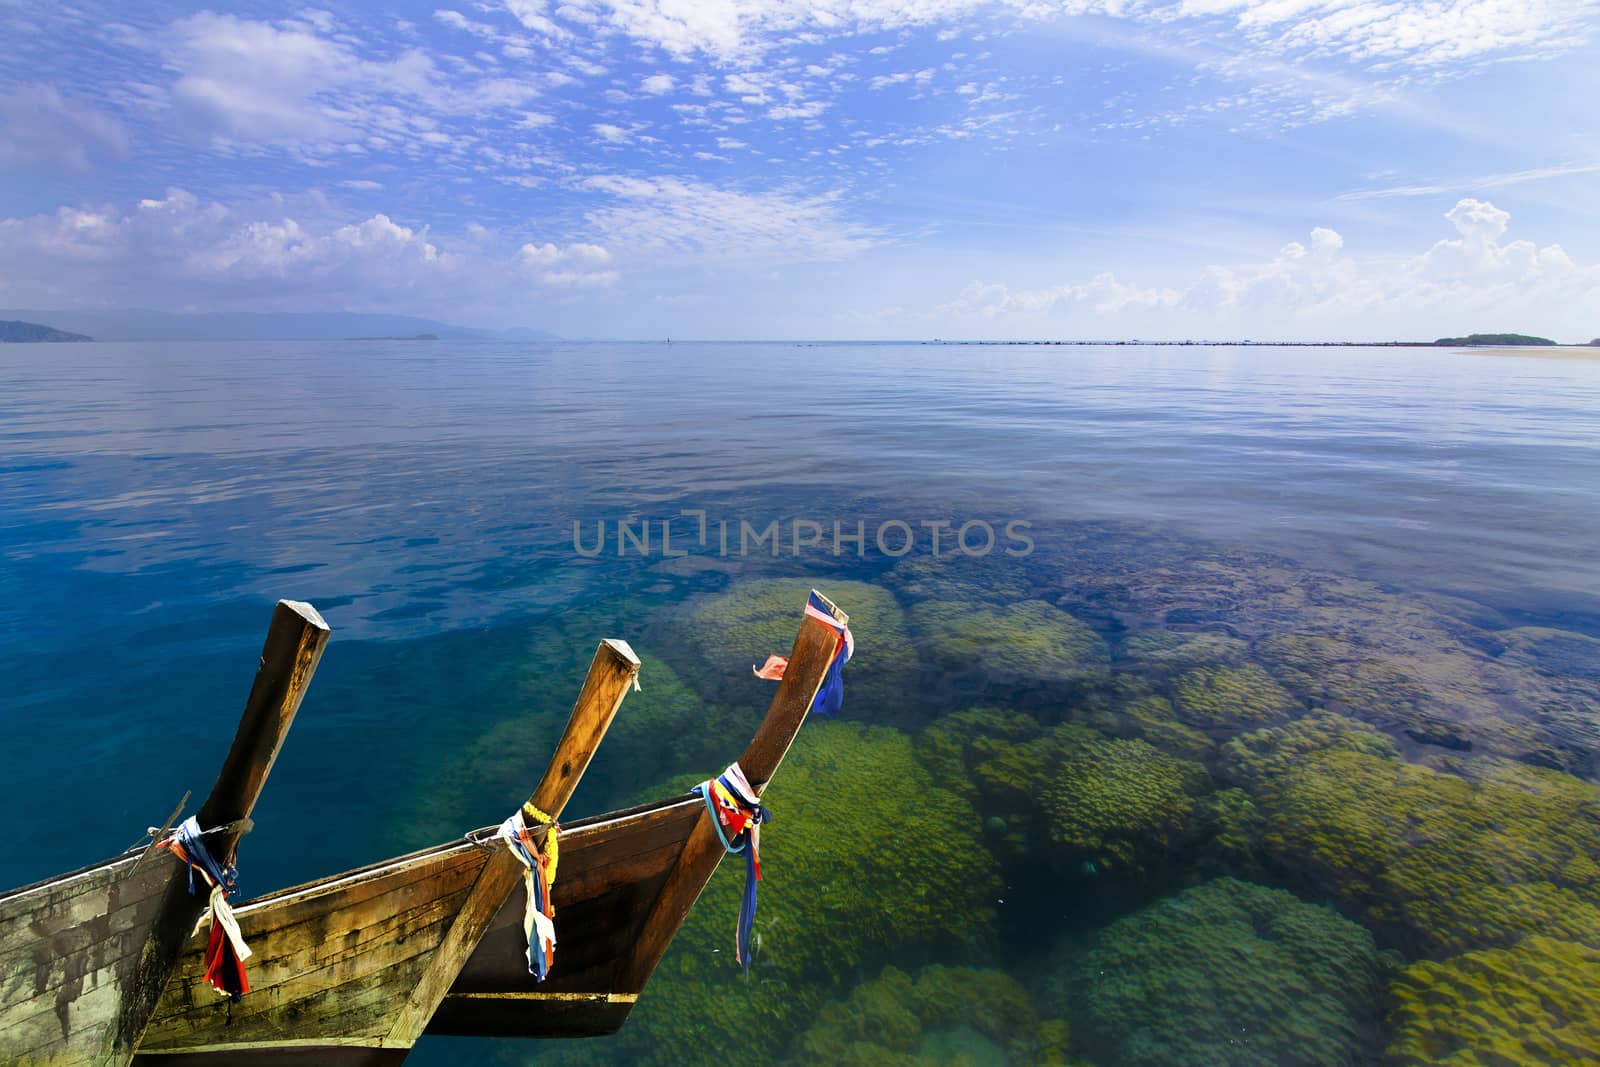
(19, 332)
(140, 324)
(1477, 340)
(1595, 343)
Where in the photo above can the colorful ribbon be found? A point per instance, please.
(538, 921)
(830, 695)
(225, 949)
(737, 815)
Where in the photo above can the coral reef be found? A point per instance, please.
(1096, 802)
(1241, 696)
(1438, 861)
(1017, 649)
(894, 1019)
(1155, 653)
(716, 639)
(866, 854)
(1419, 667)
(1533, 1003)
(992, 579)
(1226, 972)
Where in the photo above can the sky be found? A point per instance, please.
(874, 169)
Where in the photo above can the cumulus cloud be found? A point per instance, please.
(687, 217)
(40, 127)
(578, 264)
(1316, 285)
(265, 255)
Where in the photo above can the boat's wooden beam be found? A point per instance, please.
(611, 674)
(808, 666)
(289, 657)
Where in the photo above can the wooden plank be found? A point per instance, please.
(808, 665)
(612, 673)
(95, 946)
(289, 657)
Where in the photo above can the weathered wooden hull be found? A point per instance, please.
(618, 866)
(69, 947)
(336, 962)
(333, 961)
(83, 957)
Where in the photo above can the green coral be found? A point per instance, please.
(1017, 646)
(1113, 803)
(1439, 861)
(1116, 802)
(994, 578)
(1154, 719)
(894, 1019)
(1166, 652)
(717, 639)
(1532, 1003)
(1265, 756)
(1226, 972)
(1232, 697)
(866, 854)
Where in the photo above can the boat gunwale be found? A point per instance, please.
(320, 886)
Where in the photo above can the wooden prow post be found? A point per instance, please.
(289, 657)
(808, 666)
(611, 674)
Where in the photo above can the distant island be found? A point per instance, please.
(143, 324)
(1484, 340)
(17, 332)
(407, 337)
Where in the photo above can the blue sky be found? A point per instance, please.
(1271, 169)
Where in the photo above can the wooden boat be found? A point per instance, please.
(83, 957)
(354, 969)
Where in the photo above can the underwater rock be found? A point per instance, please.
(866, 854)
(1228, 972)
(715, 641)
(1532, 1003)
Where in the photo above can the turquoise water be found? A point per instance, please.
(1207, 546)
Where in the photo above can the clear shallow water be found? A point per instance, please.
(157, 498)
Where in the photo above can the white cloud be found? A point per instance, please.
(580, 264)
(686, 217)
(1314, 289)
(657, 84)
(241, 81)
(39, 127)
(1486, 181)
(1426, 33)
(269, 256)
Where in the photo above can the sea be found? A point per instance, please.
(470, 518)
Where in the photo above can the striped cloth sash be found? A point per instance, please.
(225, 949)
(539, 874)
(737, 815)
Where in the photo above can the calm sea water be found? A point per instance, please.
(158, 498)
